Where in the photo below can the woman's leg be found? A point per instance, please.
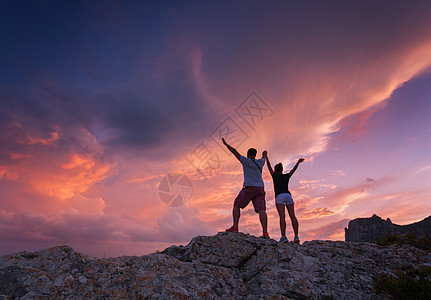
(281, 214)
(291, 211)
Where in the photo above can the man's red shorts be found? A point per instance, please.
(256, 194)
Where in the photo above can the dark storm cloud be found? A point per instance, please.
(125, 69)
(104, 71)
(66, 226)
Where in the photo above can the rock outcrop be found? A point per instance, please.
(368, 229)
(224, 266)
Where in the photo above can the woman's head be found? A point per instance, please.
(278, 168)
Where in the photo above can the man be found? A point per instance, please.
(253, 188)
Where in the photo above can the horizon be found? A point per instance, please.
(105, 106)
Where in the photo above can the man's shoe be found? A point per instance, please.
(283, 239)
(296, 240)
(265, 235)
(232, 229)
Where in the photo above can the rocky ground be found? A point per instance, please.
(224, 266)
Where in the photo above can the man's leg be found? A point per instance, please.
(236, 213)
(259, 206)
(263, 220)
(241, 200)
(295, 225)
(281, 214)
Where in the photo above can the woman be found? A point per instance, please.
(283, 197)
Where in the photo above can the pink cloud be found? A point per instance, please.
(60, 175)
(69, 184)
(331, 231)
(354, 125)
(51, 139)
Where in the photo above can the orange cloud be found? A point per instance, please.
(332, 231)
(72, 178)
(45, 173)
(5, 173)
(313, 90)
(53, 137)
(314, 213)
(16, 156)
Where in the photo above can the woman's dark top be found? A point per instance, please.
(281, 183)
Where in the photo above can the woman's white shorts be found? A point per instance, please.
(284, 198)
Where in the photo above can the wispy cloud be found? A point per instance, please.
(88, 133)
(423, 169)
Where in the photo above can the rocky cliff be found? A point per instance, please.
(368, 229)
(224, 266)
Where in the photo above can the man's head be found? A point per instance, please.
(278, 168)
(251, 153)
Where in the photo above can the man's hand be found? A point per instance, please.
(301, 160)
(265, 153)
(224, 142)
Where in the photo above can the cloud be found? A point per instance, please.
(137, 108)
(423, 169)
(61, 226)
(56, 165)
(314, 213)
(317, 82)
(4, 173)
(70, 227)
(315, 184)
(331, 231)
(53, 136)
(180, 227)
(340, 199)
(354, 125)
(87, 133)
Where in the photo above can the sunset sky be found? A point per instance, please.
(101, 100)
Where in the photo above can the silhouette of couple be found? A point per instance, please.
(253, 190)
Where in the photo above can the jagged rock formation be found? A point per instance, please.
(368, 229)
(224, 266)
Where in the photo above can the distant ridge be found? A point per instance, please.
(368, 229)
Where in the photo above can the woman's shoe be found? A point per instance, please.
(283, 239)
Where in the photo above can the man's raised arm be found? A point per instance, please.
(231, 149)
(296, 166)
